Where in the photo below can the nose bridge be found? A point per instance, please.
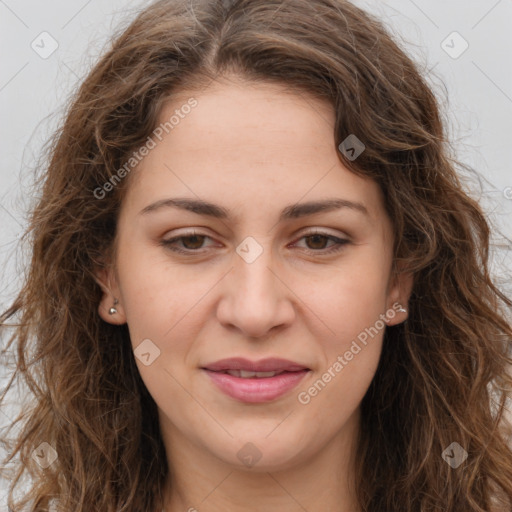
(254, 300)
(254, 280)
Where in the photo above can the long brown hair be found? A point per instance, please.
(442, 377)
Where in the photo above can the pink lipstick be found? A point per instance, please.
(255, 381)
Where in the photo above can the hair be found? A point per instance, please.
(443, 374)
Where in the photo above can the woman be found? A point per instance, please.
(193, 347)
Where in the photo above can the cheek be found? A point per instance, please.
(350, 361)
(350, 303)
(335, 396)
(351, 298)
(158, 296)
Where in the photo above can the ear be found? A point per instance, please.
(399, 292)
(111, 297)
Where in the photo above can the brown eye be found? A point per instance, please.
(317, 242)
(193, 243)
(190, 243)
(197, 241)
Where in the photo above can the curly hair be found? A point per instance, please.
(443, 375)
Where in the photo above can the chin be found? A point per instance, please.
(263, 454)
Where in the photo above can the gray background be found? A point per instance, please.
(475, 88)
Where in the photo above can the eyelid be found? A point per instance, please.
(321, 231)
(339, 242)
(310, 230)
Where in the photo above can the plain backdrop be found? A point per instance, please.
(464, 47)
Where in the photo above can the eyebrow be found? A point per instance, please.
(293, 211)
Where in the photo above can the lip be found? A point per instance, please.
(271, 364)
(256, 390)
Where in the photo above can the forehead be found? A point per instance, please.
(255, 143)
(255, 114)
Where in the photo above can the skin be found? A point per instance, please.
(254, 149)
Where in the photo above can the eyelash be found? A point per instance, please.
(340, 242)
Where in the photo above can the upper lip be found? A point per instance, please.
(272, 364)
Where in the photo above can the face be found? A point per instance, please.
(257, 276)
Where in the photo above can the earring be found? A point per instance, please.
(402, 310)
(113, 310)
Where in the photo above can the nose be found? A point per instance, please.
(255, 298)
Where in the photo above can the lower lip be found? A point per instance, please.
(256, 390)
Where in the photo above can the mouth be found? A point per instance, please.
(255, 382)
(246, 374)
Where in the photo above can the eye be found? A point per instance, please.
(193, 242)
(317, 238)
